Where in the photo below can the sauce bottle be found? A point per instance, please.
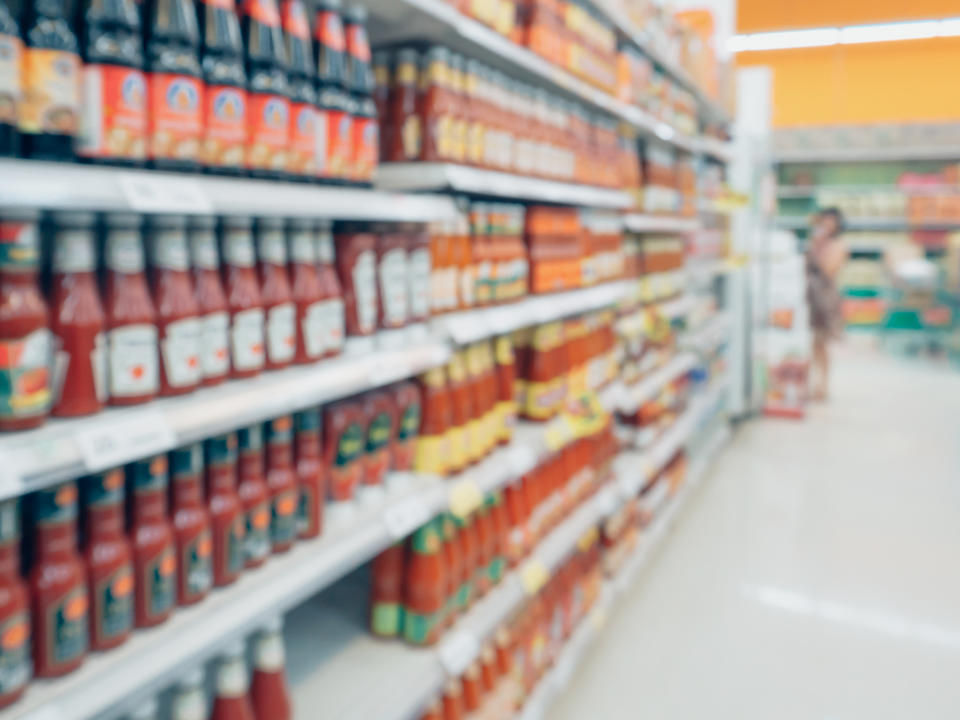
(386, 591)
(211, 301)
(424, 587)
(381, 418)
(452, 700)
(226, 509)
(344, 442)
(223, 148)
(191, 522)
(154, 544)
(393, 305)
(268, 117)
(419, 272)
(460, 431)
(305, 291)
(310, 475)
(189, 701)
(240, 281)
(268, 688)
(25, 340)
(232, 701)
(485, 547)
(113, 124)
(331, 293)
(453, 561)
(11, 72)
(436, 102)
(58, 584)
(77, 319)
(14, 609)
(275, 294)
(254, 495)
(433, 452)
(406, 397)
(301, 71)
(109, 558)
(175, 88)
(469, 543)
(506, 374)
(406, 141)
(333, 102)
(133, 363)
(356, 259)
(365, 134)
(50, 110)
(178, 313)
(282, 483)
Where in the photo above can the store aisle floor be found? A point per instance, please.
(813, 575)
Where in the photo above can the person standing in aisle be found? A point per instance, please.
(826, 255)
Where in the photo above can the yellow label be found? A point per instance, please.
(541, 399)
(457, 438)
(505, 17)
(459, 131)
(51, 92)
(445, 137)
(475, 142)
(474, 440)
(559, 433)
(407, 73)
(587, 540)
(465, 497)
(533, 576)
(456, 367)
(504, 350)
(432, 455)
(435, 377)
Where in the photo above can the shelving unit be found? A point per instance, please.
(659, 224)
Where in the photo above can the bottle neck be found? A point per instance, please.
(222, 478)
(280, 455)
(149, 506)
(104, 522)
(56, 541)
(187, 492)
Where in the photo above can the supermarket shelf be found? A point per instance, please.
(721, 150)
(706, 269)
(72, 186)
(713, 334)
(637, 395)
(877, 154)
(465, 179)
(471, 325)
(659, 224)
(880, 224)
(64, 449)
(672, 309)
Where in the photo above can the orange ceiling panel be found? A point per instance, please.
(763, 15)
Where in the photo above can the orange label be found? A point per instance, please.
(268, 120)
(366, 148)
(263, 11)
(302, 157)
(225, 126)
(339, 142)
(114, 119)
(295, 19)
(357, 43)
(330, 31)
(175, 119)
(51, 92)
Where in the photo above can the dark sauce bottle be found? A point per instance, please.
(302, 148)
(365, 137)
(11, 60)
(333, 101)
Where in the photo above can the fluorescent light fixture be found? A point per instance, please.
(850, 35)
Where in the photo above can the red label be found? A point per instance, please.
(268, 120)
(339, 143)
(357, 43)
(176, 121)
(225, 126)
(295, 19)
(366, 148)
(330, 31)
(263, 11)
(302, 157)
(114, 117)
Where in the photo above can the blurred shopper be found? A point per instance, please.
(826, 255)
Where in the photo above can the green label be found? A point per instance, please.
(159, 577)
(197, 565)
(350, 445)
(497, 568)
(410, 422)
(150, 475)
(427, 539)
(307, 420)
(378, 432)
(283, 518)
(67, 626)
(55, 505)
(463, 595)
(222, 450)
(417, 626)
(113, 605)
(19, 248)
(15, 664)
(105, 489)
(386, 619)
(25, 375)
(256, 544)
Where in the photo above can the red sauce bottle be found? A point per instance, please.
(77, 318)
(58, 584)
(305, 291)
(310, 475)
(211, 301)
(14, 609)
(470, 553)
(254, 495)
(419, 272)
(331, 293)
(191, 522)
(282, 483)
(344, 443)
(24, 334)
(154, 544)
(302, 149)
(178, 313)
(109, 558)
(247, 343)
(226, 509)
(433, 454)
(232, 700)
(485, 530)
(357, 270)
(406, 397)
(189, 701)
(425, 584)
(452, 701)
(501, 531)
(394, 306)
(454, 564)
(133, 360)
(381, 419)
(275, 294)
(268, 689)
(386, 591)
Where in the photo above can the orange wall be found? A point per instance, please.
(762, 15)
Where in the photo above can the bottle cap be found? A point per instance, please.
(355, 14)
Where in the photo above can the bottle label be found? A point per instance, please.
(246, 337)
(393, 287)
(302, 249)
(379, 432)
(125, 252)
(225, 126)
(168, 250)
(15, 664)
(232, 679)
(283, 520)
(67, 630)
(418, 283)
(263, 11)
(11, 57)
(321, 138)
(197, 566)
(114, 119)
(339, 141)
(357, 42)
(133, 362)
(282, 332)
(214, 346)
(334, 331)
(269, 656)
(365, 291)
(268, 121)
(256, 545)
(51, 92)
(19, 249)
(365, 147)
(314, 321)
(176, 121)
(73, 252)
(158, 579)
(386, 619)
(238, 248)
(409, 422)
(203, 250)
(411, 135)
(302, 156)
(25, 388)
(113, 605)
(346, 472)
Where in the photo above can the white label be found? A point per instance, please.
(457, 652)
(406, 516)
(247, 339)
(325, 252)
(73, 252)
(365, 291)
(214, 345)
(268, 655)
(418, 278)
(125, 251)
(302, 249)
(168, 250)
(313, 326)
(134, 365)
(181, 352)
(135, 435)
(238, 248)
(189, 705)
(393, 286)
(333, 325)
(270, 247)
(203, 250)
(90, 138)
(282, 332)
(154, 193)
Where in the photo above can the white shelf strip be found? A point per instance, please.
(639, 223)
(637, 395)
(708, 338)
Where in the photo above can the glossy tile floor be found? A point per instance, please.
(815, 575)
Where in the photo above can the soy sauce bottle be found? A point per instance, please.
(302, 148)
(268, 117)
(50, 111)
(11, 59)
(175, 86)
(224, 144)
(113, 79)
(335, 119)
(364, 142)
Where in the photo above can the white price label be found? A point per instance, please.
(137, 435)
(457, 652)
(150, 193)
(406, 516)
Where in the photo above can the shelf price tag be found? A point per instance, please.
(406, 516)
(533, 576)
(136, 435)
(465, 497)
(457, 652)
(152, 193)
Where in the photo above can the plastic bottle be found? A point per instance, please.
(232, 700)
(282, 483)
(268, 115)
(275, 294)
(189, 701)
(268, 689)
(14, 609)
(306, 291)
(254, 495)
(11, 90)
(310, 474)
(154, 544)
(424, 586)
(211, 301)
(331, 293)
(226, 509)
(191, 523)
(247, 343)
(303, 148)
(333, 101)
(386, 591)
(365, 135)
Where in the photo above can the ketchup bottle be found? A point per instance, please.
(226, 510)
(303, 147)
(178, 313)
(211, 301)
(282, 483)
(453, 562)
(243, 298)
(189, 702)
(424, 587)
(310, 475)
(306, 291)
(14, 609)
(154, 545)
(133, 363)
(77, 319)
(255, 496)
(109, 557)
(332, 99)
(275, 294)
(331, 293)
(268, 689)
(380, 418)
(58, 584)
(365, 137)
(12, 86)
(192, 525)
(232, 701)
(386, 591)
(409, 413)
